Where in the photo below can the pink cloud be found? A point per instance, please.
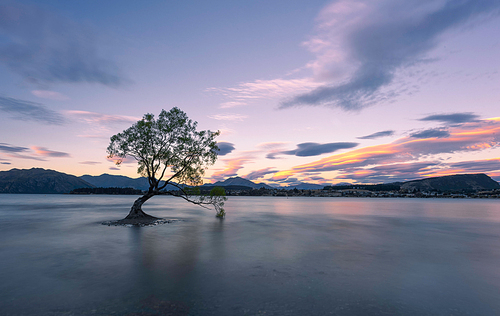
(231, 168)
(228, 117)
(51, 95)
(90, 163)
(93, 117)
(264, 89)
(42, 151)
(257, 174)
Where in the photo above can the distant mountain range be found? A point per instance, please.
(306, 186)
(37, 180)
(238, 181)
(110, 181)
(41, 181)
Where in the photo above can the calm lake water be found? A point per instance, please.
(270, 256)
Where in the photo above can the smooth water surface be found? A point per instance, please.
(270, 256)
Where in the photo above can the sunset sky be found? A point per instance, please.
(302, 91)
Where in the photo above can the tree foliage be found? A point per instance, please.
(168, 149)
(218, 194)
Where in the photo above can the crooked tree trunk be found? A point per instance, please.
(136, 211)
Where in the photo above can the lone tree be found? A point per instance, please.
(169, 150)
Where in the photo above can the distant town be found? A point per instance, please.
(327, 191)
(359, 192)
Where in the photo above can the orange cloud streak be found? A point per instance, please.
(231, 169)
(42, 151)
(466, 137)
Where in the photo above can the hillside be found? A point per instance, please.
(241, 182)
(111, 181)
(38, 180)
(458, 182)
(305, 186)
(238, 181)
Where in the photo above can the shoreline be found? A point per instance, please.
(406, 196)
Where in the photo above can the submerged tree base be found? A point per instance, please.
(140, 221)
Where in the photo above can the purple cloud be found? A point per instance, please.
(29, 111)
(6, 148)
(42, 151)
(372, 40)
(431, 133)
(452, 118)
(377, 135)
(44, 47)
(259, 173)
(225, 148)
(313, 149)
(90, 163)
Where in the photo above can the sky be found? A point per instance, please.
(313, 91)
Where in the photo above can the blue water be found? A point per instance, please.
(269, 256)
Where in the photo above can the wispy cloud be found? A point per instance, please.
(477, 166)
(51, 95)
(94, 117)
(231, 104)
(92, 136)
(4, 161)
(377, 135)
(264, 89)
(42, 151)
(231, 168)
(225, 148)
(29, 111)
(228, 117)
(35, 152)
(391, 173)
(44, 47)
(315, 178)
(90, 163)
(287, 182)
(6, 148)
(360, 45)
(257, 174)
(272, 149)
(313, 149)
(452, 118)
(99, 124)
(272, 145)
(431, 133)
(19, 152)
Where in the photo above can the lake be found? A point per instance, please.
(269, 256)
